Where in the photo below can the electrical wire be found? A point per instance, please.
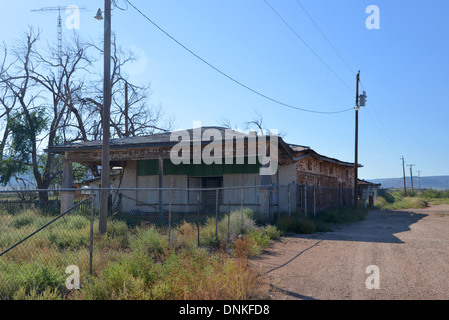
(309, 47)
(228, 76)
(326, 38)
(385, 136)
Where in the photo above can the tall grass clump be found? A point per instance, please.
(395, 200)
(148, 241)
(304, 225)
(296, 224)
(237, 222)
(30, 278)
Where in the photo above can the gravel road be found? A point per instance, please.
(410, 249)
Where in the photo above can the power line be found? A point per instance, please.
(389, 140)
(228, 76)
(326, 38)
(309, 47)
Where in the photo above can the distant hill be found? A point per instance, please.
(434, 182)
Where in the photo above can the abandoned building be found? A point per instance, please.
(368, 192)
(145, 162)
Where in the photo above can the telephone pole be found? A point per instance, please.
(356, 160)
(411, 173)
(403, 169)
(419, 180)
(105, 157)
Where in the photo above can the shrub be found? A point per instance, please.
(296, 224)
(261, 238)
(272, 232)
(47, 294)
(22, 220)
(209, 233)
(116, 281)
(240, 222)
(343, 215)
(304, 225)
(148, 241)
(388, 197)
(65, 238)
(185, 235)
(33, 278)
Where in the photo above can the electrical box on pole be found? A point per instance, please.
(362, 99)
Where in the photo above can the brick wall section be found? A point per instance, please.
(315, 172)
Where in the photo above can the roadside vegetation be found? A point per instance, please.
(395, 199)
(144, 262)
(323, 223)
(132, 262)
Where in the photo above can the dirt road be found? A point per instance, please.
(409, 248)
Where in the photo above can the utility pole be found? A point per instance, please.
(126, 110)
(356, 160)
(419, 180)
(411, 173)
(105, 158)
(403, 169)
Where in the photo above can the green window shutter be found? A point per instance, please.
(147, 167)
(151, 167)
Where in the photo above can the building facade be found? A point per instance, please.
(148, 163)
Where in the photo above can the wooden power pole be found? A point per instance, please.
(411, 173)
(356, 160)
(105, 158)
(419, 180)
(403, 169)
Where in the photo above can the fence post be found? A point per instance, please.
(216, 214)
(198, 220)
(270, 205)
(279, 202)
(305, 201)
(241, 206)
(314, 202)
(92, 197)
(257, 201)
(161, 174)
(288, 201)
(229, 220)
(169, 220)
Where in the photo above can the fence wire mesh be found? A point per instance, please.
(44, 232)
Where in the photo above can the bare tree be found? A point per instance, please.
(47, 98)
(131, 113)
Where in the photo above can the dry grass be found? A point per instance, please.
(130, 263)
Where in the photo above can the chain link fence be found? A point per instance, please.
(43, 233)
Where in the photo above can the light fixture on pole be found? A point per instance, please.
(99, 15)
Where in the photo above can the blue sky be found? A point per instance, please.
(404, 69)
